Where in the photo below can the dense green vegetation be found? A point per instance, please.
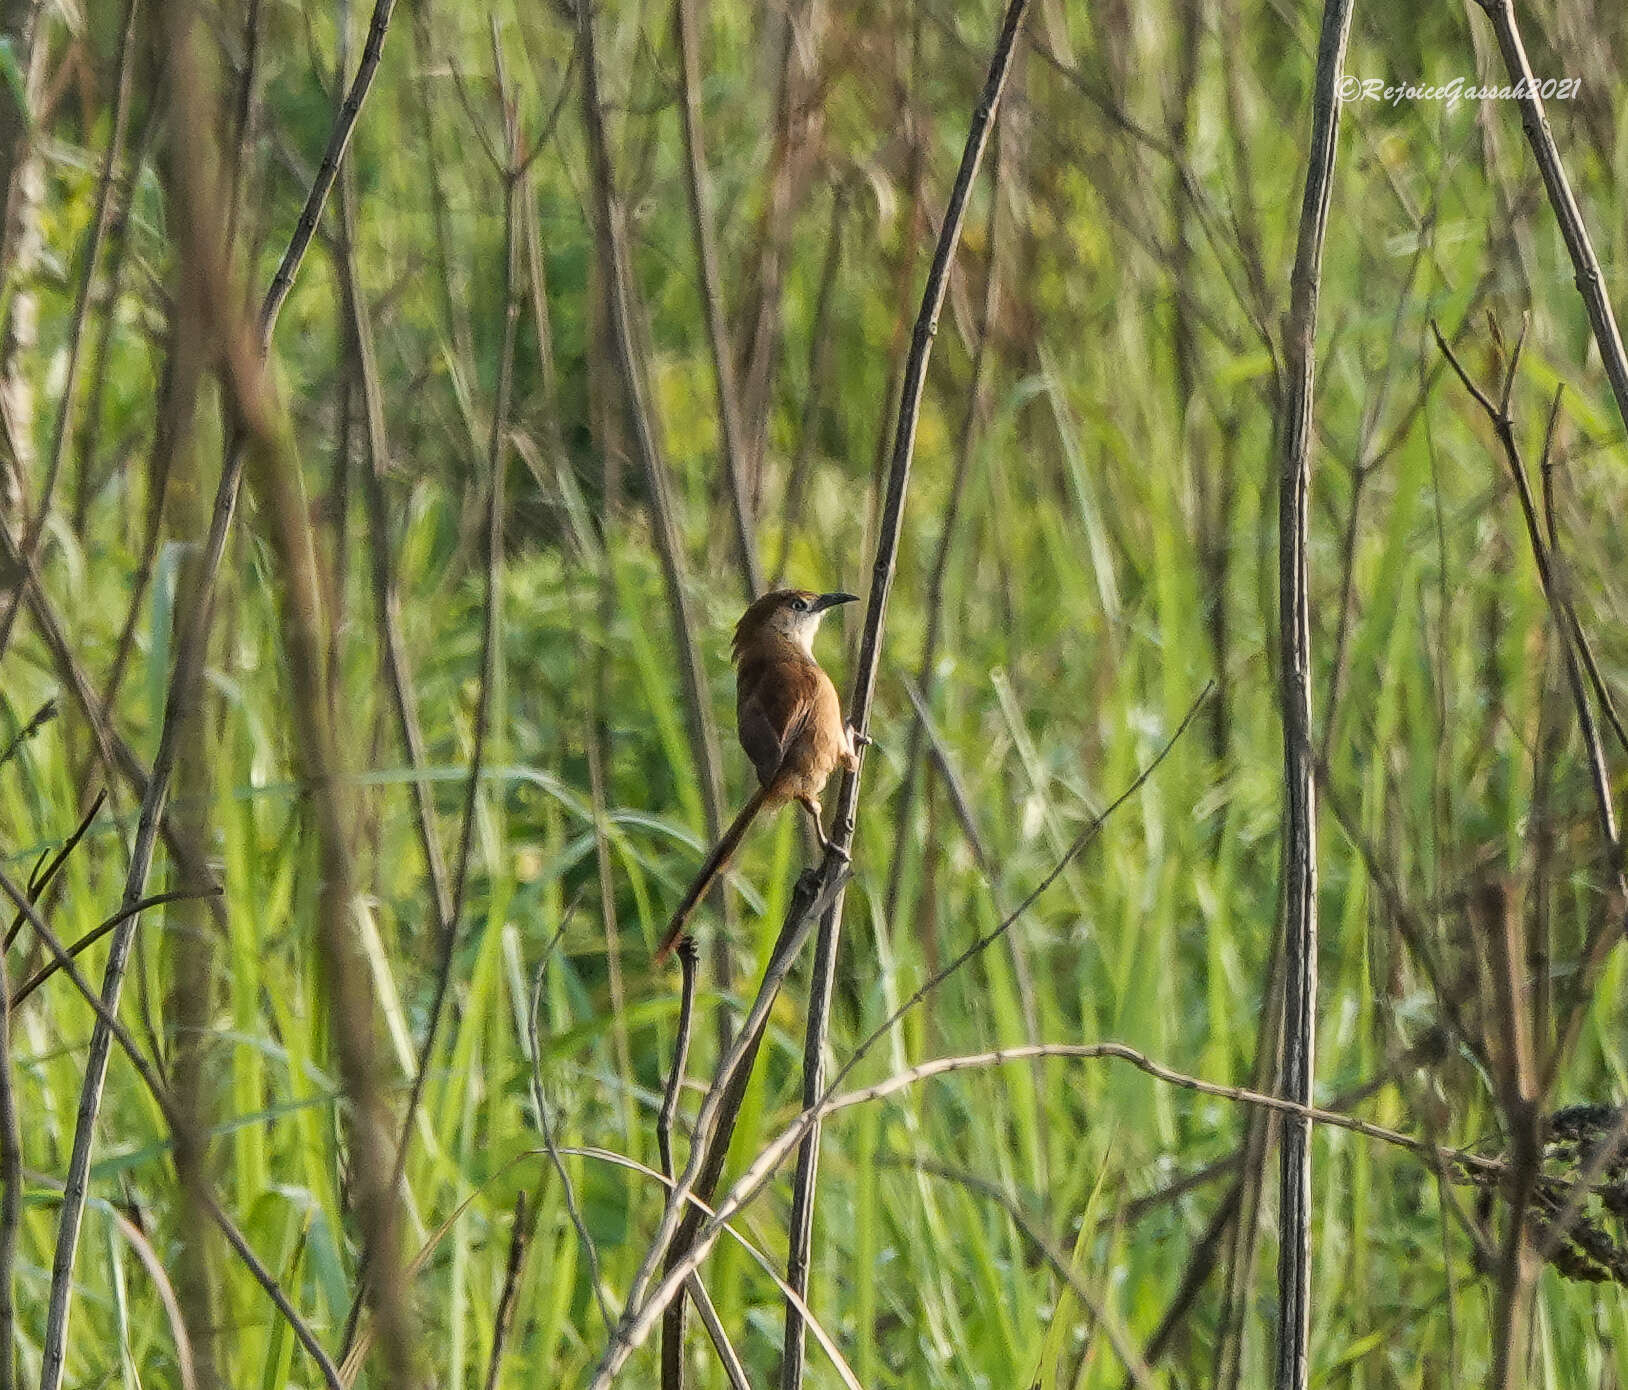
(1100, 487)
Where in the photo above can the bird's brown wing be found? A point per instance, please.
(770, 715)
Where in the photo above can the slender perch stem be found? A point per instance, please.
(1299, 773)
(870, 650)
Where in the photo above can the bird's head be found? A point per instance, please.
(792, 615)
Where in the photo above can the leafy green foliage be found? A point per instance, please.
(1114, 551)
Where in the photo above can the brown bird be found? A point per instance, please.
(789, 721)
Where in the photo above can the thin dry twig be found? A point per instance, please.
(1243, 1237)
(672, 1346)
(119, 761)
(90, 938)
(1608, 930)
(491, 618)
(1565, 582)
(960, 802)
(972, 420)
(149, 1078)
(546, 1129)
(1585, 264)
(621, 298)
(713, 1146)
(687, 959)
(398, 672)
(945, 1066)
(1300, 786)
(45, 873)
(86, 482)
(762, 1260)
(1081, 842)
(503, 1318)
(796, 117)
(718, 1333)
(822, 979)
(454, 305)
(762, 1169)
(338, 142)
(709, 1137)
(698, 186)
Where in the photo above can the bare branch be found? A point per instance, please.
(822, 980)
(1585, 264)
(1300, 787)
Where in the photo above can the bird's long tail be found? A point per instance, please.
(716, 863)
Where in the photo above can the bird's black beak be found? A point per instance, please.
(825, 601)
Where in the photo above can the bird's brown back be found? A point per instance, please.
(790, 724)
(789, 719)
(786, 709)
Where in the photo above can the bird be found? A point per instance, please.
(789, 721)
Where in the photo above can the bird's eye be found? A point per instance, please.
(800, 605)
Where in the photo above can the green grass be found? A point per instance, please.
(1076, 635)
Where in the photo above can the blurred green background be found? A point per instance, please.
(1104, 502)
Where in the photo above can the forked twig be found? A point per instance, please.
(763, 1262)
(812, 895)
(90, 938)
